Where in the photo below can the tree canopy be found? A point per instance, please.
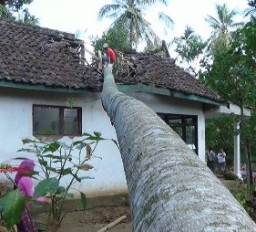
(189, 47)
(222, 26)
(130, 13)
(16, 10)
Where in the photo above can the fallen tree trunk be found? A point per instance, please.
(170, 188)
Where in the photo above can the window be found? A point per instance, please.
(185, 126)
(57, 120)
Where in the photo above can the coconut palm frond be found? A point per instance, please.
(188, 32)
(165, 19)
(152, 2)
(214, 23)
(237, 25)
(109, 10)
(114, 15)
(248, 11)
(251, 10)
(122, 20)
(222, 25)
(130, 14)
(148, 34)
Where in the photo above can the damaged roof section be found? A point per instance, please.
(161, 71)
(35, 55)
(44, 57)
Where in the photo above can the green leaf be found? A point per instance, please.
(52, 147)
(27, 150)
(49, 185)
(87, 134)
(48, 168)
(86, 178)
(66, 171)
(25, 141)
(97, 134)
(95, 137)
(42, 162)
(83, 200)
(20, 158)
(76, 143)
(54, 157)
(12, 205)
(60, 190)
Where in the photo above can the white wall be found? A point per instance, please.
(108, 173)
(16, 124)
(165, 104)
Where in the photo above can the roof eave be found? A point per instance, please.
(167, 92)
(38, 87)
(122, 87)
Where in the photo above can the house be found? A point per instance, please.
(43, 69)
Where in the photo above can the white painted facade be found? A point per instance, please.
(109, 178)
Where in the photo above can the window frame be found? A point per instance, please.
(167, 116)
(61, 119)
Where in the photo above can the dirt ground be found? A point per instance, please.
(96, 218)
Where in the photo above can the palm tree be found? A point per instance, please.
(189, 47)
(170, 188)
(251, 10)
(222, 25)
(130, 14)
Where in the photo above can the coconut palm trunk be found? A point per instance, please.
(170, 188)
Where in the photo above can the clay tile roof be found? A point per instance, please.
(159, 71)
(42, 56)
(35, 55)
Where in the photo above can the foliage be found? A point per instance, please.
(189, 48)
(129, 13)
(190, 45)
(232, 73)
(16, 10)
(229, 175)
(219, 134)
(57, 160)
(116, 37)
(222, 26)
(240, 194)
(232, 76)
(11, 206)
(251, 10)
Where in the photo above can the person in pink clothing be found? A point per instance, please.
(24, 182)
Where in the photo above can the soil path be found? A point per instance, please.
(94, 219)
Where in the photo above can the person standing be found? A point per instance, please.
(221, 161)
(211, 156)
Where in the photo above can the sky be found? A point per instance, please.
(81, 16)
